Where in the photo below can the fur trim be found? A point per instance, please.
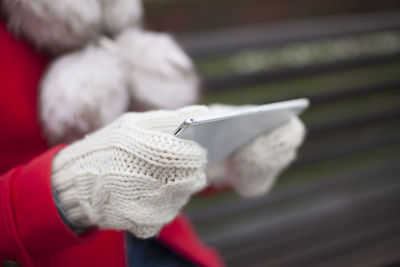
(121, 14)
(55, 25)
(62, 25)
(85, 90)
(82, 92)
(161, 75)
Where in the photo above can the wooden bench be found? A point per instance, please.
(338, 205)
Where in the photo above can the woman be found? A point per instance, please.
(66, 205)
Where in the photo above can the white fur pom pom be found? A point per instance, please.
(55, 25)
(161, 75)
(82, 92)
(120, 14)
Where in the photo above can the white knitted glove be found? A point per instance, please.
(253, 169)
(133, 174)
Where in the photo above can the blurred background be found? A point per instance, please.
(339, 203)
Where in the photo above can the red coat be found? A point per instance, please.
(31, 231)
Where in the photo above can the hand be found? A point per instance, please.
(253, 169)
(131, 175)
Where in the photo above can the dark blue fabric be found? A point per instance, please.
(149, 252)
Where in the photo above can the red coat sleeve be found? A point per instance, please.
(182, 238)
(29, 222)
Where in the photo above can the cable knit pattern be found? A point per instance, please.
(131, 175)
(135, 175)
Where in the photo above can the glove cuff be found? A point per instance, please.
(73, 225)
(65, 196)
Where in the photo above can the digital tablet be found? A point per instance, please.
(224, 133)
